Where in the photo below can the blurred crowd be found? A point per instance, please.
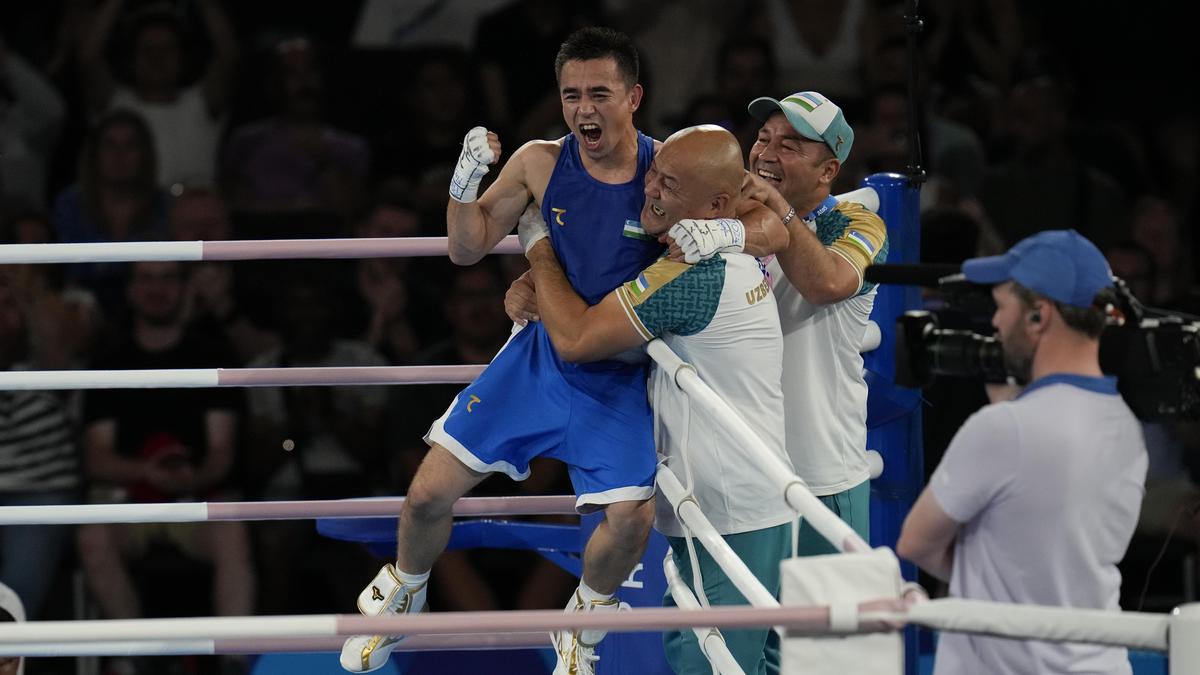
(126, 120)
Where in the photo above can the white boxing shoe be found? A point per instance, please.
(574, 655)
(385, 595)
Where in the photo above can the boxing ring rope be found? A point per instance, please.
(693, 519)
(712, 643)
(793, 489)
(279, 645)
(256, 249)
(200, 512)
(187, 378)
(416, 643)
(1129, 629)
(464, 630)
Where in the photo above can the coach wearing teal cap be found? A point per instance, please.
(824, 302)
(812, 116)
(1036, 499)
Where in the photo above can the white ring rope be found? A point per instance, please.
(1141, 630)
(689, 513)
(416, 643)
(199, 512)
(187, 378)
(346, 625)
(1130, 629)
(791, 487)
(276, 249)
(712, 643)
(262, 249)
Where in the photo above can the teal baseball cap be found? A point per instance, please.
(812, 116)
(1059, 264)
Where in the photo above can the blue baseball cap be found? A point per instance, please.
(1059, 264)
(812, 116)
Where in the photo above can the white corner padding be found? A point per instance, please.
(842, 580)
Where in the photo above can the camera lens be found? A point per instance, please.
(965, 354)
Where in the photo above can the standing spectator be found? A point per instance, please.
(38, 462)
(185, 120)
(115, 198)
(675, 70)
(294, 160)
(31, 115)
(819, 44)
(161, 445)
(1058, 471)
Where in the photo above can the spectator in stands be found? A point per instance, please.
(313, 443)
(115, 198)
(161, 445)
(65, 323)
(1156, 227)
(31, 116)
(213, 304)
(384, 284)
(819, 45)
(436, 108)
(1045, 177)
(294, 160)
(519, 87)
(38, 461)
(185, 119)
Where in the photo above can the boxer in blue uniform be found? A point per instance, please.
(528, 402)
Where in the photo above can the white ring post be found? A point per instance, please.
(1184, 636)
(712, 643)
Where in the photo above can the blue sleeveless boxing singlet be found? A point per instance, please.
(595, 227)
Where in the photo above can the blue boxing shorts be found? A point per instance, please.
(527, 403)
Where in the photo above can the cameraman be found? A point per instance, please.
(1036, 499)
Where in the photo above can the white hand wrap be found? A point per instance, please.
(472, 165)
(531, 227)
(702, 239)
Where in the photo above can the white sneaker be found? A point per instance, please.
(576, 657)
(385, 595)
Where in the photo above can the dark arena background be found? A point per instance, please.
(345, 118)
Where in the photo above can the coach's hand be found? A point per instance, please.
(520, 302)
(702, 239)
(531, 227)
(480, 148)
